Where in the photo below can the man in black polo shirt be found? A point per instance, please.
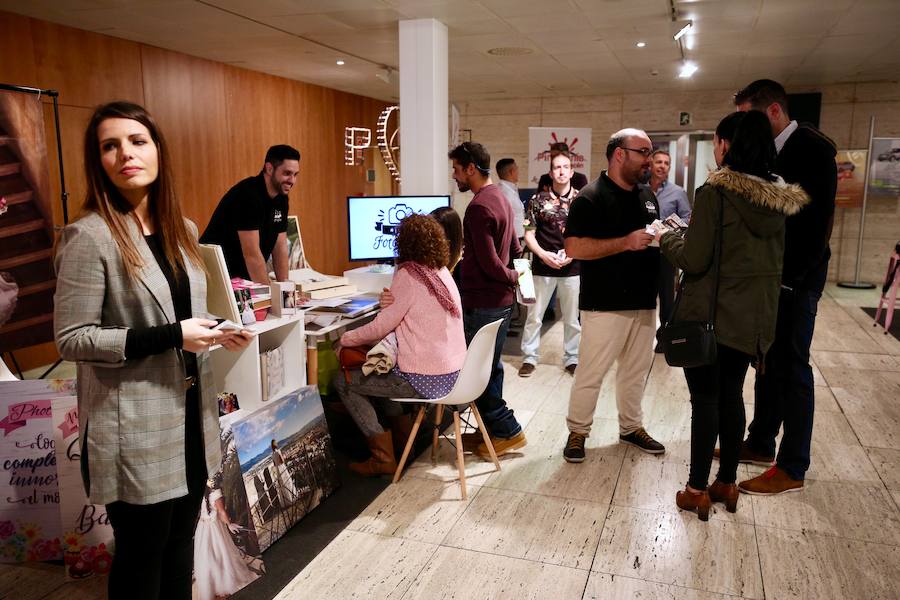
(250, 222)
(619, 269)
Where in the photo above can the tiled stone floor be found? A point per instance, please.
(608, 528)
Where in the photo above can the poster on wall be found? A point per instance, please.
(87, 536)
(851, 178)
(540, 140)
(227, 555)
(286, 461)
(29, 490)
(884, 182)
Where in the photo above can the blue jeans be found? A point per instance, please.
(498, 418)
(785, 392)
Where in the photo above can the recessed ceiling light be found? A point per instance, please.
(683, 30)
(687, 70)
(510, 51)
(641, 44)
(340, 63)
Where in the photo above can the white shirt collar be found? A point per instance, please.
(508, 184)
(782, 137)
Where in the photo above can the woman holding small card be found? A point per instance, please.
(749, 204)
(130, 309)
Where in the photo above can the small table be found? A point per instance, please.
(329, 332)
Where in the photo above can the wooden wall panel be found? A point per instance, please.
(265, 110)
(219, 121)
(186, 96)
(17, 51)
(86, 68)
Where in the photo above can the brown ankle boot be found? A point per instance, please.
(694, 501)
(401, 427)
(727, 493)
(382, 461)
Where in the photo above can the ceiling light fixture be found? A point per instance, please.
(688, 68)
(683, 30)
(641, 44)
(510, 51)
(340, 63)
(386, 75)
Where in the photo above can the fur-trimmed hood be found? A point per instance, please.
(762, 203)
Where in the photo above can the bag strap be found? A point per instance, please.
(717, 257)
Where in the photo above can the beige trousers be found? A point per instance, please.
(606, 337)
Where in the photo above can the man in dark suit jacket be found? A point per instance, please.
(784, 389)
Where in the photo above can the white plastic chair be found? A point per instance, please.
(472, 381)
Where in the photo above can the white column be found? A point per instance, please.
(424, 107)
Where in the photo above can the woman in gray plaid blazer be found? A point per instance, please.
(130, 309)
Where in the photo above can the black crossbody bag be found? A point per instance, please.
(693, 343)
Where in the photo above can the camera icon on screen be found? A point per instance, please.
(395, 214)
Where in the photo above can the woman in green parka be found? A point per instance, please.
(753, 203)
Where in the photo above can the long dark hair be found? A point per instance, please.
(752, 149)
(104, 198)
(450, 221)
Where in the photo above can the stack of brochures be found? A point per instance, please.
(320, 287)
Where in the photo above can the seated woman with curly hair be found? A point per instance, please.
(426, 317)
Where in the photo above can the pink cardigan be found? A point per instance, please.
(430, 341)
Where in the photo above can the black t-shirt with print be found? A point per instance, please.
(546, 214)
(623, 281)
(246, 207)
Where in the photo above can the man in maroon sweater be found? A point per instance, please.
(488, 285)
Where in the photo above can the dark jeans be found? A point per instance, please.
(666, 290)
(717, 410)
(154, 555)
(785, 392)
(498, 418)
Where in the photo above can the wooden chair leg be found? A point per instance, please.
(484, 433)
(460, 461)
(409, 443)
(436, 436)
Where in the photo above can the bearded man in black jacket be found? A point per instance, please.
(784, 384)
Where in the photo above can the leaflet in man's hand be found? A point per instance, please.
(525, 290)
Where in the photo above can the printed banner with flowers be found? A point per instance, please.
(87, 540)
(29, 491)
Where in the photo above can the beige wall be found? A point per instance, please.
(502, 126)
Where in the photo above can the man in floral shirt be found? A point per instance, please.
(545, 223)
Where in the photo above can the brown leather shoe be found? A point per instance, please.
(727, 493)
(698, 502)
(526, 370)
(502, 445)
(748, 456)
(772, 482)
(382, 461)
(570, 369)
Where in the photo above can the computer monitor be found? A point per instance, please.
(372, 222)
